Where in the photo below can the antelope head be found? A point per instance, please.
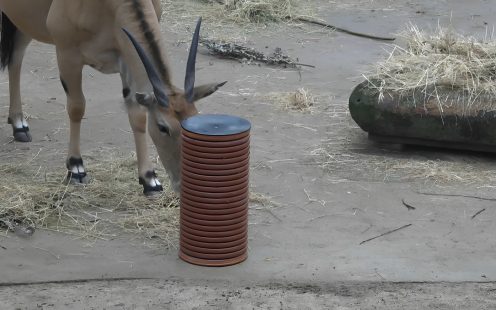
(168, 106)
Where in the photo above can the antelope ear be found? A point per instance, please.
(206, 90)
(147, 100)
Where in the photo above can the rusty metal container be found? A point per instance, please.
(214, 190)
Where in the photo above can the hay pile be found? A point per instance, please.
(239, 11)
(439, 63)
(36, 196)
(301, 100)
(261, 11)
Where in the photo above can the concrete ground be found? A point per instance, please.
(309, 251)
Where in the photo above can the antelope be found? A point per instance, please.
(112, 36)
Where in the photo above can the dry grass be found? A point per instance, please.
(300, 100)
(112, 203)
(437, 63)
(235, 17)
(386, 165)
(262, 11)
(346, 154)
(262, 200)
(37, 196)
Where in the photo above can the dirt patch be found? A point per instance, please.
(151, 294)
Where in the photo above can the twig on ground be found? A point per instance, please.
(319, 217)
(311, 200)
(236, 51)
(478, 212)
(358, 34)
(386, 233)
(408, 206)
(457, 195)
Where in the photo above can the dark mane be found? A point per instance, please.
(151, 41)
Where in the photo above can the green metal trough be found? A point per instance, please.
(418, 119)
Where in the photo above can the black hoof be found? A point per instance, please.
(150, 186)
(22, 134)
(77, 178)
(76, 173)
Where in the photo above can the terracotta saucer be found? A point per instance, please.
(215, 178)
(215, 206)
(225, 250)
(214, 234)
(214, 161)
(214, 212)
(216, 189)
(213, 256)
(216, 217)
(200, 194)
(213, 262)
(216, 167)
(219, 144)
(216, 155)
(225, 200)
(215, 138)
(212, 241)
(228, 172)
(216, 150)
(214, 245)
(226, 229)
(211, 223)
(187, 179)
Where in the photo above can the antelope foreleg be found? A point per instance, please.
(71, 66)
(147, 176)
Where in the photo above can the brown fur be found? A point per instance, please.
(89, 32)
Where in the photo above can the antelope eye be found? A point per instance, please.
(163, 129)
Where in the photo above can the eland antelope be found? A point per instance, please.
(102, 34)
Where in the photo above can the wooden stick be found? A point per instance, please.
(386, 233)
(479, 212)
(239, 52)
(457, 195)
(358, 34)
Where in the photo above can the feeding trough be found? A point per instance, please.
(416, 118)
(214, 190)
(438, 90)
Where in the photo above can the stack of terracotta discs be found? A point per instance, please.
(214, 190)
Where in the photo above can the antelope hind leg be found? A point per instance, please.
(16, 118)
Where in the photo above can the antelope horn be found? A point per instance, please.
(189, 81)
(153, 76)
